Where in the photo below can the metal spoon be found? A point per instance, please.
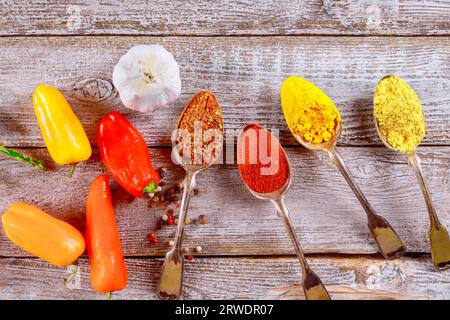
(388, 241)
(171, 281)
(440, 241)
(312, 285)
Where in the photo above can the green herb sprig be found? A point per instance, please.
(16, 155)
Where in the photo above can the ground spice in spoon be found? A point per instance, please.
(309, 112)
(399, 114)
(200, 115)
(262, 161)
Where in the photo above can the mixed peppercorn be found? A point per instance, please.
(168, 200)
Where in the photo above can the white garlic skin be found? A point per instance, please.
(147, 77)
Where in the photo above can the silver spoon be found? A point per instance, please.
(312, 285)
(388, 241)
(440, 241)
(171, 281)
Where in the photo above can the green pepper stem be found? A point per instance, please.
(109, 296)
(16, 155)
(151, 187)
(72, 169)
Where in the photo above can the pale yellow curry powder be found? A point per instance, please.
(309, 112)
(399, 114)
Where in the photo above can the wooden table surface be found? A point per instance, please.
(241, 50)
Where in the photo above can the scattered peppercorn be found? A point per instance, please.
(171, 243)
(196, 191)
(167, 200)
(198, 249)
(202, 219)
(152, 237)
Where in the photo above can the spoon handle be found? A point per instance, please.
(312, 285)
(389, 243)
(171, 281)
(440, 242)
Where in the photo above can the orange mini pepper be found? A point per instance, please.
(108, 269)
(42, 235)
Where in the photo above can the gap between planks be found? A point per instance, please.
(377, 256)
(301, 35)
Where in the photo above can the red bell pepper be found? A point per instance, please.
(125, 155)
(108, 270)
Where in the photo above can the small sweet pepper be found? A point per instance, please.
(63, 133)
(42, 235)
(108, 269)
(125, 155)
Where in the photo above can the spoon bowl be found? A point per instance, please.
(378, 129)
(277, 194)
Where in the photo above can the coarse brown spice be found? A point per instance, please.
(202, 111)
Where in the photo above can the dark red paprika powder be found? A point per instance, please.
(262, 161)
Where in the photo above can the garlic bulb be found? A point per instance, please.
(147, 77)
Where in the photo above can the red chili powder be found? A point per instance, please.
(262, 162)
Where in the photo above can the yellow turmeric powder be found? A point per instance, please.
(309, 112)
(399, 114)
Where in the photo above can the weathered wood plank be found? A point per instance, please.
(242, 17)
(326, 214)
(246, 73)
(237, 278)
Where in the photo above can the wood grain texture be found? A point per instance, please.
(237, 278)
(246, 74)
(326, 214)
(241, 50)
(237, 17)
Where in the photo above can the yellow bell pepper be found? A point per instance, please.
(63, 133)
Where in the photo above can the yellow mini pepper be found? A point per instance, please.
(63, 133)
